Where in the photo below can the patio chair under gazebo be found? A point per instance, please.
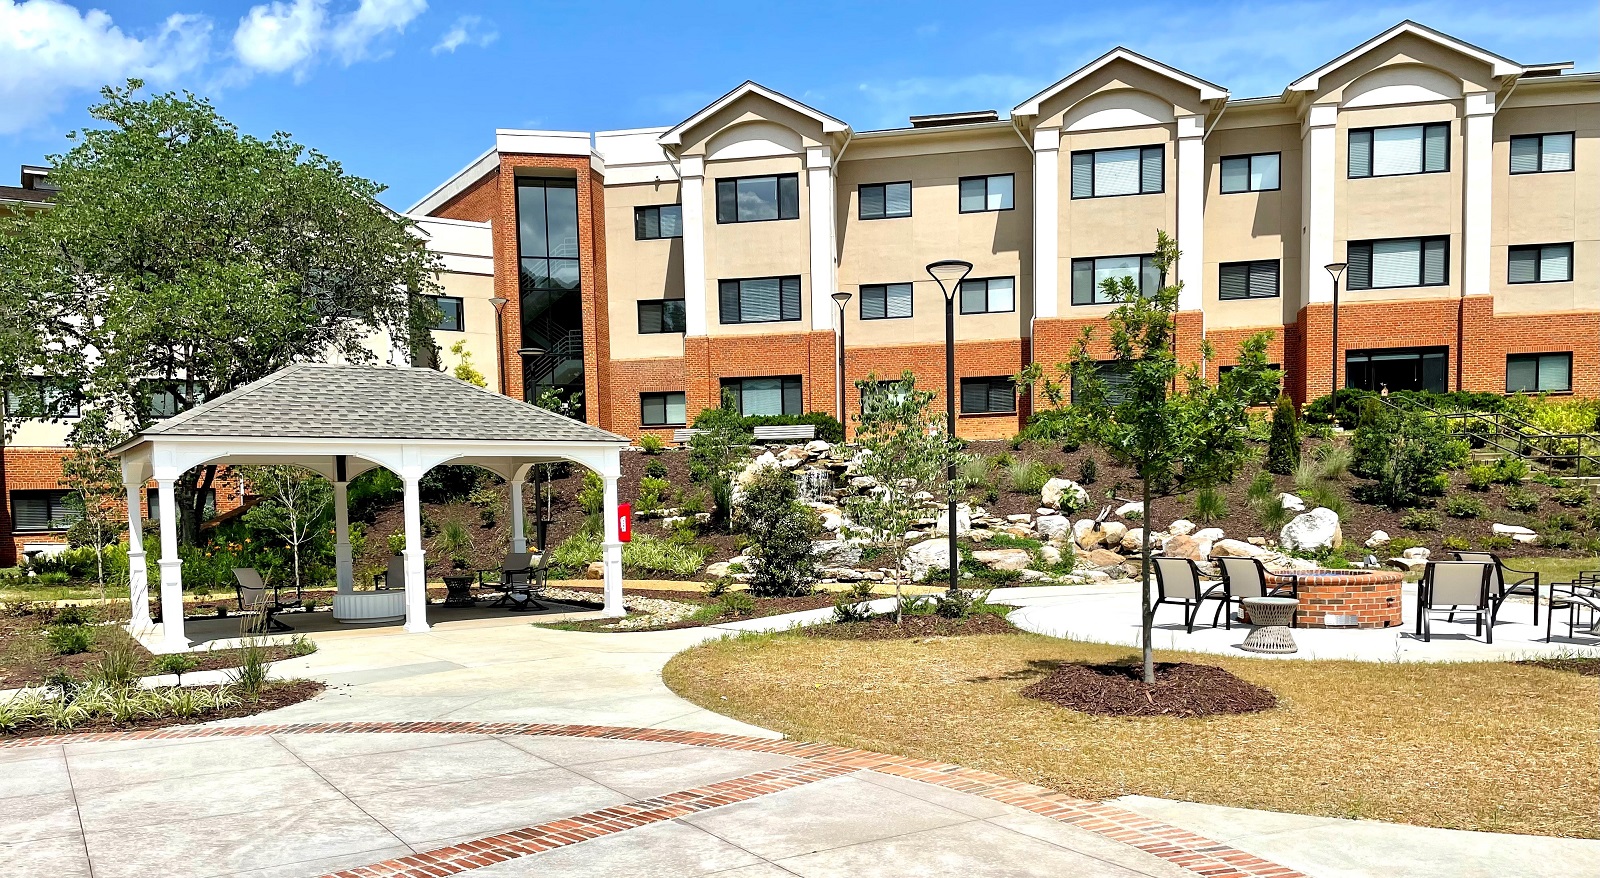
(340, 421)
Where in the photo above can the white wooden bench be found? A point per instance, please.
(683, 435)
(805, 432)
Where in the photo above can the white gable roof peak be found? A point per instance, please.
(1208, 91)
(674, 135)
(1498, 65)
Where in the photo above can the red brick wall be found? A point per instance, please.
(629, 378)
(982, 359)
(477, 203)
(709, 359)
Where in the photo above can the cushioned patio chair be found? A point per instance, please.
(520, 580)
(1247, 578)
(1178, 582)
(1501, 586)
(1456, 587)
(255, 596)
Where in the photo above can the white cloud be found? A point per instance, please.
(468, 30)
(49, 50)
(354, 34)
(291, 34)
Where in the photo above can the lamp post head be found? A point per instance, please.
(1335, 269)
(949, 273)
(531, 351)
(841, 299)
(498, 303)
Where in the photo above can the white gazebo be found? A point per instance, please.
(341, 421)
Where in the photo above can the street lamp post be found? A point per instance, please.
(541, 523)
(841, 299)
(950, 273)
(1335, 269)
(499, 304)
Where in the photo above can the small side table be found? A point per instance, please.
(458, 591)
(1271, 617)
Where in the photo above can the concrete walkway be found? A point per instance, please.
(1110, 614)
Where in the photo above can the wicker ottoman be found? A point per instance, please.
(1271, 617)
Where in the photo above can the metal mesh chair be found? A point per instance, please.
(1502, 587)
(1178, 582)
(1456, 587)
(521, 579)
(255, 596)
(1247, 578)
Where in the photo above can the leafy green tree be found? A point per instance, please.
(193, 259)
(905, 449)
(1406, 454)
(1152, 425)
(95, 480)
(294, 507)
(781, 530)
(715, 451)
(1283, 446)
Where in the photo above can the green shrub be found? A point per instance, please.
(1480, 476)
(119, 663)
(176, 664)
(1399, 544)
(454, 539)
(1209, 506)
(647, 554)
(1333, 461)
(73, 614)
(1088, 471)
(827, 426)
(592, 496)
(650, 443)
(1028, 477)
(1262, 487)
(1498, 542)
(781, 530)
(1420, 519)
(251, 674)
(69, 639)
(1463, 506)
(1327, 496)
(1406, 454)
(396, 543)
(655, 469)
(653, 493)
(1457, 544)
(1510, 470)
(577, 552)
(1521, 500)
(1575, 497)
(1556, 539)
(736, 603)
(850, 605)
(1283, 446)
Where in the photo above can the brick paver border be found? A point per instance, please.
(1183, 848)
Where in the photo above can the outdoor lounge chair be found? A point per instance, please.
(394, 577)
(1500, 587)
(256, 596)
(1247, 578)
(1582, 595)
(521, 579)
(1178, 582)
(1456, 587)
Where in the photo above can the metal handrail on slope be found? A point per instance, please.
(1524, 436)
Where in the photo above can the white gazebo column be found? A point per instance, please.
(173, 638)
(344, 567)
(138, 577)
(519, 534)
(416, 565)
(611, 552)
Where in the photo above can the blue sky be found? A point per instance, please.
(408, 91)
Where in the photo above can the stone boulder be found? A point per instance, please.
(595, 570)
(1019, 518)
(1086, 534)
(1292, 503)
(1185, 546)
(963, 520)
(1208, 533)
(1517, 532)
(1131, 510)
(1181, 528)
(1049, 554)
(1052, 527)
(1063, 494)
(817, 446)
(1103, 558)
(764, 460)
(835, 553)
(1378, 538)
(926, 556)
(1114, 532)
(1237, 549)
(1002, 559)
(1417, 553)
(1410, 565)
(1310, 531)
(1133, 540)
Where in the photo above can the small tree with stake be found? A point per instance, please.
(95, 480)
(294, 506)
(1197, 433)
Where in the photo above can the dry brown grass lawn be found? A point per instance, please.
(1490, 746)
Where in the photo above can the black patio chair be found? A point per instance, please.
(1178, 582)
(1502, 587)
(1247, 578)
(255, 596)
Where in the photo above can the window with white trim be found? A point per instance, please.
(657, 316)
(1393, 263)
(1089, 277)
(657, 222)
(1398, 150)
(1539, 373)
(765, 396)
(1250, 173)
(1248, 280)
(993, 192)
(1541, 153)
(988, 295)
(988, 396)
(885, 301)
(1104, 173)
(759, 300)
(666, 409)
(758, 199)
(883, 200)
(1539, 264)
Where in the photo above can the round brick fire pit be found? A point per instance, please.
(1346, 598)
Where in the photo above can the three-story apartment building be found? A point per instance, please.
(659, 269)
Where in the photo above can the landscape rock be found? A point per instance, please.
(980, 536)
(1185, 546)
(1181, 528)
(1086, 534)
(1002, 559)
(1044, 510)
(963, 520)
(717, 570)
(673, 521)
(835, 553)
(1103, 558)
(1378, 538)
(1019, 518)
(1128, 510)
(1049, 554)
(1417, 553)
(1133, 540)
(1020, 531)
(595, 570)
(1309, 531)
(1292, 503)
(817, 446)
(1032, 576)
(926, 556)
(863, 483)
(1295, 563)
(764, 460)
(1063, 494)
(1412, 565)
(1517, 532)
(1208, 533)
(1052, 527)
(1114, 532)
(1237, 549)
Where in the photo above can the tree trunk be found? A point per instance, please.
(1147, 615)
(189, 495)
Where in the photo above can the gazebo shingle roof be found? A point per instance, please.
(319, 400)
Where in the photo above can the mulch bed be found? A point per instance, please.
(273, 696)
(1181, 689)
(27, 660)
(1587, 667)
(884, 627)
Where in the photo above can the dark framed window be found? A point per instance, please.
(884, 392)
(1539, 264)
(547, 233)
(35, 396)
(1539, 373)
(1398, 369)
(1250, 173)
(1107, 173)
(992, 192)
(1089, 277)
(759, 299)
(988, 295)
(163, 399)
(1399, 150)
(758, 199)
(1248, 280)
(1114, 376)
(661, 315)
(765, 396)
(885, 301)
(449, 313)
(1394, 263)
(988, 396)
(657, 222)
(884, 200)
(208, 507)
(33, 511)
(667, 409)
(1541, 153)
